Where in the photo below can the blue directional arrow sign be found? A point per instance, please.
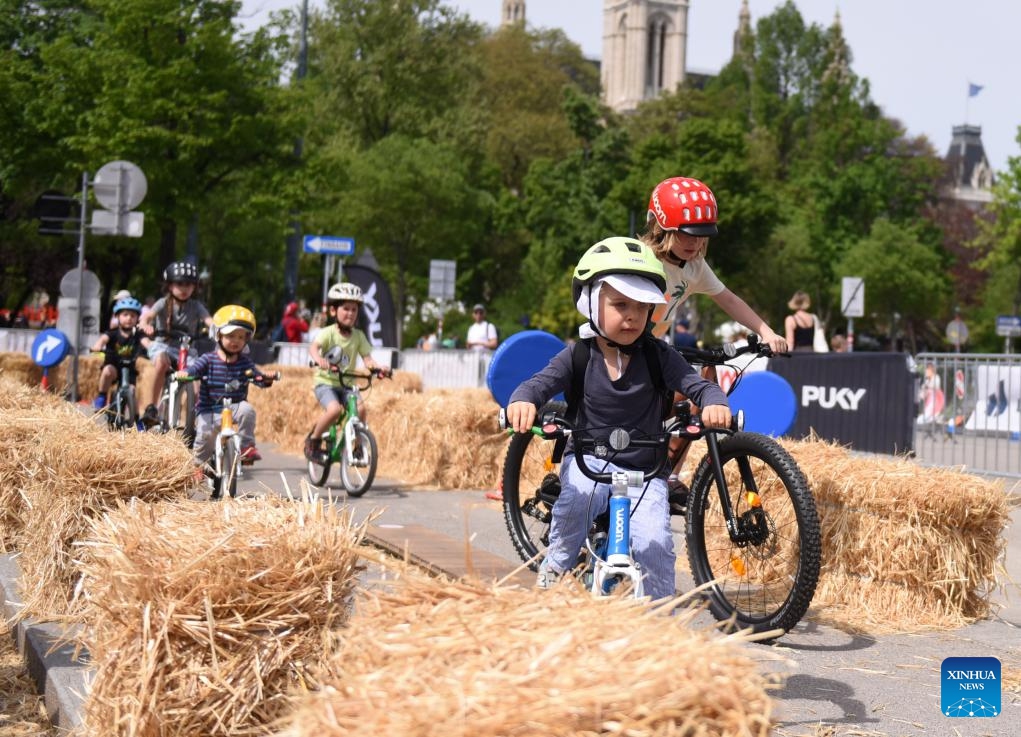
(329, 245)
(49, 348)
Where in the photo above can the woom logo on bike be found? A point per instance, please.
(829, 397)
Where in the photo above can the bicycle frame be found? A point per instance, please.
(342, 443)
(227, 454)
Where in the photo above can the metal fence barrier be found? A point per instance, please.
(969, 411)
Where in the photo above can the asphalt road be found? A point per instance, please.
(837, 683)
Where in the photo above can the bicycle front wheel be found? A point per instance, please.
(231, 466)
(531, 485)
(763, 575)
(126, 414)
(319, 472)
(357, 472)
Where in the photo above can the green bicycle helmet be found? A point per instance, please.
(617, 255)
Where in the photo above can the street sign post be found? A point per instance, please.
(852, 304)
(329, 245)
(48, 349)
(1008, 326)
(442, 279)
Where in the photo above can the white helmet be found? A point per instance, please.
(345, 292)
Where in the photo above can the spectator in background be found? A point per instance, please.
(683, 337)
(800, 325)
(293, 324)
(838, 343)
(482, 333)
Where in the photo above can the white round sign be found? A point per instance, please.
(120, 186)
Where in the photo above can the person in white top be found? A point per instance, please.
(482, 333)
(682, 216)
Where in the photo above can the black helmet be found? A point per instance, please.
(181, 271)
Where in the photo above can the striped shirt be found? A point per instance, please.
(221, 379)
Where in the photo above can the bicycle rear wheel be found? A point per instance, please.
(357, 476)
(766, 581)
(531, 485)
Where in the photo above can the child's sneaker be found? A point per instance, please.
(250, 454)
(547, 578)
(314, 449)
(151, 417)
(99, 402)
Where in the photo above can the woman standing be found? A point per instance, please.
(801, 325)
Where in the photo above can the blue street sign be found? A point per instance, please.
(49, 348)
(330, 245)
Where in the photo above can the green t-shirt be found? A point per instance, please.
(352, 346)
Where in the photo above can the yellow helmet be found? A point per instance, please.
(229, 318)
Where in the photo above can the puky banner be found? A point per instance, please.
(378, 316)
(864, 400)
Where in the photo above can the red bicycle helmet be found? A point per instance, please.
(684, 204)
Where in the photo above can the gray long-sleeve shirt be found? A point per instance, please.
(631, 402)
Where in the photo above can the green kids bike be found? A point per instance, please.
(349, 442)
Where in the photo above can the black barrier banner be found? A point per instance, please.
(378, 317)
(864, 400)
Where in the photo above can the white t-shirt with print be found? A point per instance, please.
(695, 277)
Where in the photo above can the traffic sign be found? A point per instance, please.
(329, 245)
(49, 348)
(1008, 325)
(852, 296)
(442, 279)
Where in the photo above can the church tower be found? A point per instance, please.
(971, 176)
(644, 50)
(513, 12)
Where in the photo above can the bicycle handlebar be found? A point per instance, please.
(718, 356)
(553, 426)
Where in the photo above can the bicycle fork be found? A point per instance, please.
(228, 433)
(751, 527)
(618, 566)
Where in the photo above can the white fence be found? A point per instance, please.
(439, 369)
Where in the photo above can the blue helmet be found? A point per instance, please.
(128, 303)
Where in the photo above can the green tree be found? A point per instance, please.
(904, 276)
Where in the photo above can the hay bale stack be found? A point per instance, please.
(19, 368)
(904, 549)
(442, 658)
(203, 616)
(59, 469)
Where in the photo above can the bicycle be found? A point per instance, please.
(228, 464)
(751, 527)
(122, 411)
(349, 440)
(176, 406)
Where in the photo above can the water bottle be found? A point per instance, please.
(620, 529)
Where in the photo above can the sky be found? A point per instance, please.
(919, 56)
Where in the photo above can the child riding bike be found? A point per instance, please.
(177, 311)
(616, 285)
(123, 343)
(343, 301)
(225, 373)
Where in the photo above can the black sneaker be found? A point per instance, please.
(151, 417)
(314, 450)
(677, 496)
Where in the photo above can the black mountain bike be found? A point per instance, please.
(752, 529)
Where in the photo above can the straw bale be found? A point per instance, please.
(21, 369)
(58, 469)
(442, 658)
(201, 617)
(904, 548)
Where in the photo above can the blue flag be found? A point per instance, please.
(973, 89)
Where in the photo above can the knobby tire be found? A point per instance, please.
(767, 583)
(527, 506)
(358, 478)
